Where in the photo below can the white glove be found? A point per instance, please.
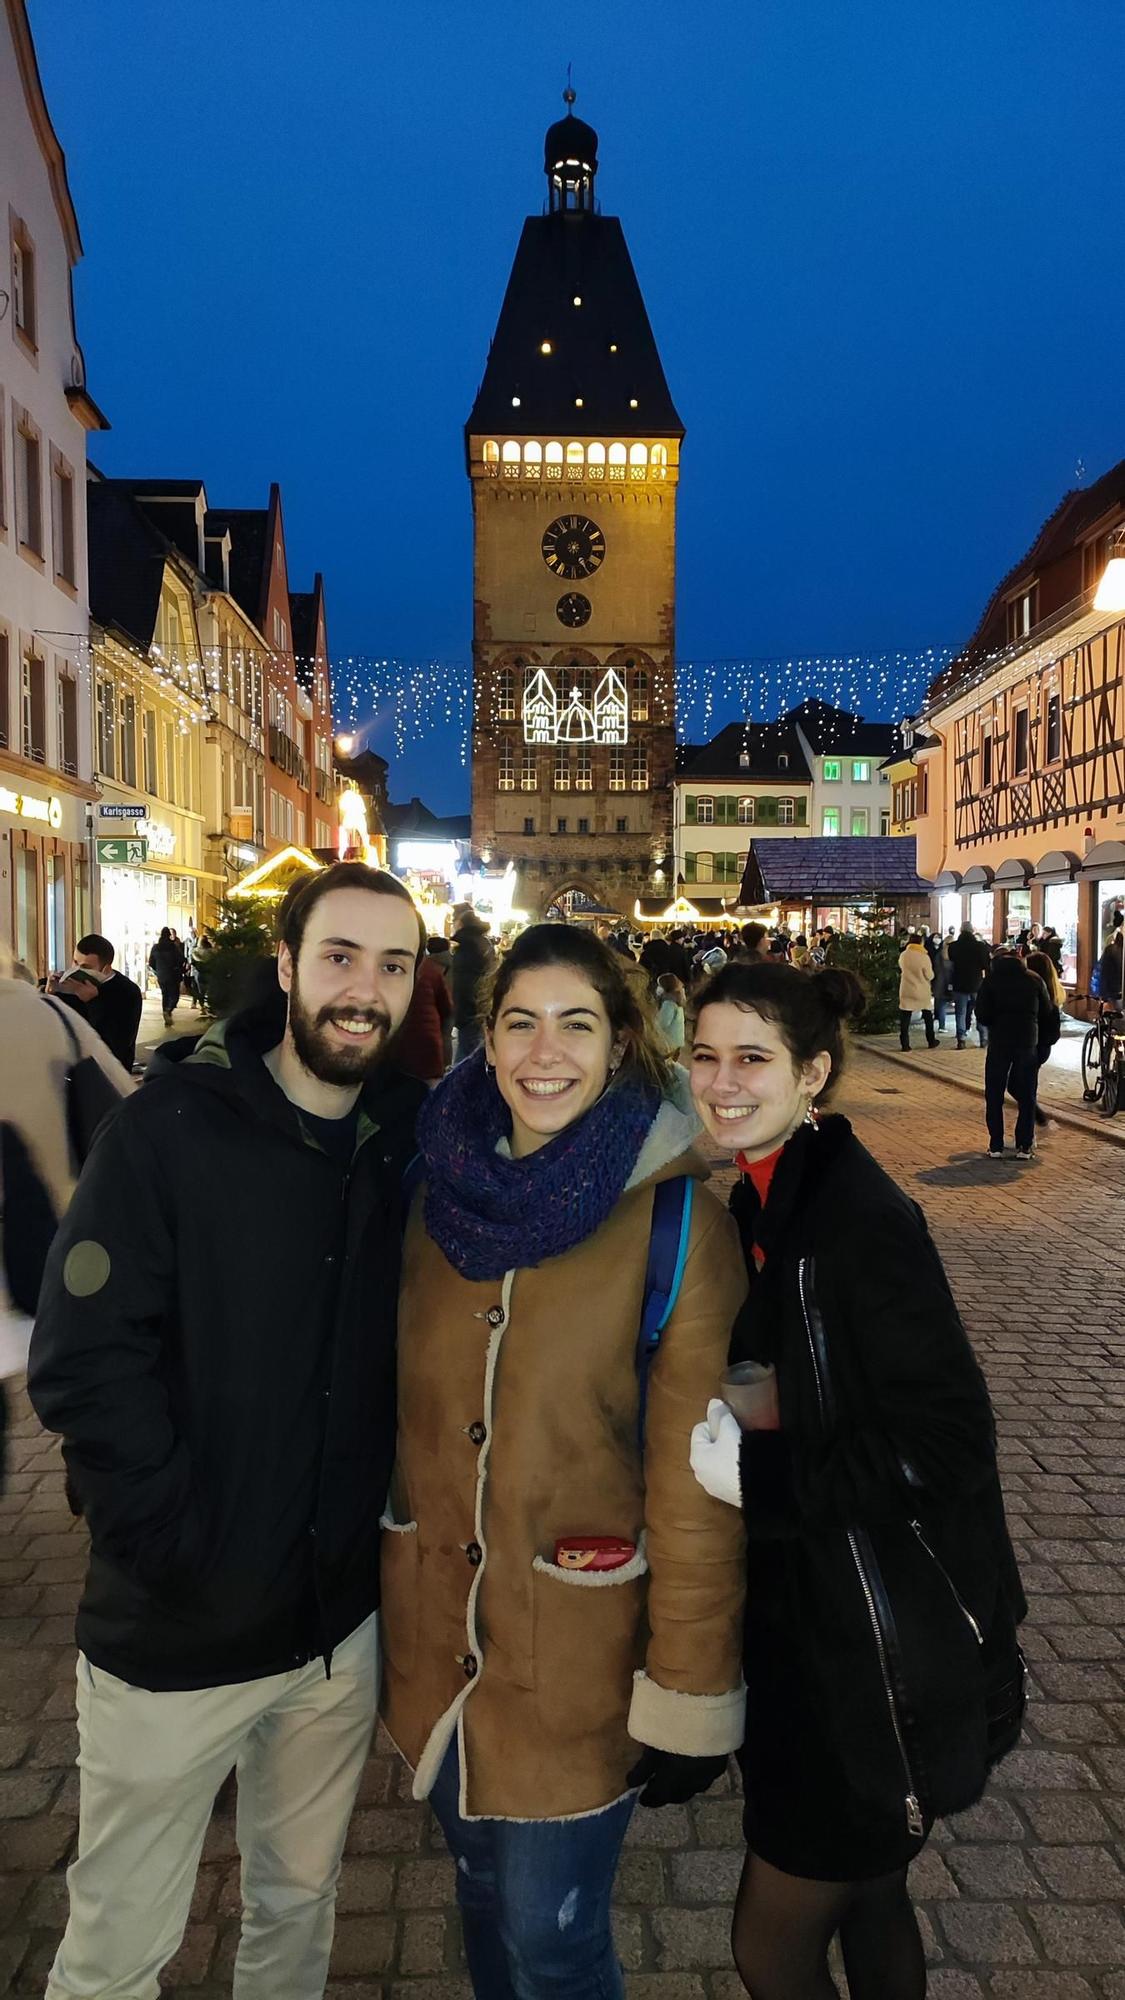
(715, 1447)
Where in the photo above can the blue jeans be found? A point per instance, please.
(963, 1014)
(534, 1897)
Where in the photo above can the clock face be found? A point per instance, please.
(573, 546)
(573, 609)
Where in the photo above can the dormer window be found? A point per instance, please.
(744, 760)
(783, 761)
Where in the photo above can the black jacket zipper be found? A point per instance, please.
(954, 1592)
(870, 1581)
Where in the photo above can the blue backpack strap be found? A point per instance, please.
(667, 1255)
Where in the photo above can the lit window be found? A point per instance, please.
(576, 300)
(584, 772)
(704, 867)
(638, 461)
(613, 347)
(544, 347)
(505, 695)
(515, 402)
(578, 402)
(492, 449)
(786, 812)
(562, 768)
(617, 461)
(861, 771)
(640, 767)
(658, 461)
(632, 402)
(532, 459)
(640, 695)
(832, 770)
(511, 458)
(529, 772)
(507, 775)
(704, 812)
(617, 772)
(554, 458)
(830, 821)
(745, 812)
(859, 822)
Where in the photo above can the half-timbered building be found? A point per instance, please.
(1025, 798)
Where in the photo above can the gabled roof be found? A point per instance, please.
(1077, 513)
(831, 730)
(602, 350)
(417, 821)
(766, 743)
(127, 554)
(823, 869)
(249, 559)
(27, 65)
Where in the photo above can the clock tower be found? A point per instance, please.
(573, 450)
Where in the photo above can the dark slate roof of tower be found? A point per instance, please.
(560, 258)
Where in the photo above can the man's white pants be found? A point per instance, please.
(151, 1765)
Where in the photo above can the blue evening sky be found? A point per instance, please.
(880, 245)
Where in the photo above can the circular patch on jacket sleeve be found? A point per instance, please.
(86, 1269)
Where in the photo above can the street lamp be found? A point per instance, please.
(1110, 593)
(345, 744)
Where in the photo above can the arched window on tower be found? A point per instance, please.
(511, 457)
(658, 461)
(491, 457)
(638, 460)
(575, 461)
(617, 458)
(532, 459)
(506, 695)
(639, 692)
(554, 456)
(595, 461)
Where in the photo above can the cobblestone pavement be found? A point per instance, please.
(1021, 1898)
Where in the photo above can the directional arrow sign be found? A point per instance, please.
(122, 853)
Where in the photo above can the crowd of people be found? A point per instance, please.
(513, 1430)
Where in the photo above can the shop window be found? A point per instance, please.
(33, 707)
(26, 862)
(5, 690)
(57, 953)
(25, 304)
(786, 813)
(1053, 730)
(829, 821)
(62, 518)
(1060, 909)
(832, 770)
(1020, 741)
(859, 822)
(67, 720)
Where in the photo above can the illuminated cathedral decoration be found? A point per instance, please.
(611, 709)
(540, 710)
(544, 721)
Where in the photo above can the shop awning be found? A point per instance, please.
(685, 910)
(979, 876)
(950, 878)
(1104, 861)
(1058, 866)
(1013, 874)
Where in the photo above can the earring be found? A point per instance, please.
(810, 1117)
(489, 1068)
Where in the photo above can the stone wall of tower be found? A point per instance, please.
(516, 629)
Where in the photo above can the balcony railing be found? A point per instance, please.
(288, 757)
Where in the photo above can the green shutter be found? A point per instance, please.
(801, 811)
(689, 809)
(767, 811)
(727, 814)
(689, 864)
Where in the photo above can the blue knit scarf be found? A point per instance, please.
(491, 1214)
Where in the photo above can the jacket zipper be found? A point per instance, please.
(956, 1595)
(818, 1351)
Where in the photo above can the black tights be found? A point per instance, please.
(783, 1926)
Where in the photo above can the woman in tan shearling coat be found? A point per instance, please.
(535, 1699)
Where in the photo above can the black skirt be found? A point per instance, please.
(800, 1813)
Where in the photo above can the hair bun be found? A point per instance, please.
(842, 992)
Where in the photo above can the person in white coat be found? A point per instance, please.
(915, 990)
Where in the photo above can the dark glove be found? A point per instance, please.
(670, 1780)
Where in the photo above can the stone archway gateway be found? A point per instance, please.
(574, 901)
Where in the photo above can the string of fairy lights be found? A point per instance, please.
(393, 703)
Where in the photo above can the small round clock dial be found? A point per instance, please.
(573, 609)
(573, 546)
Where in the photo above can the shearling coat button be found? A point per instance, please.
(495, 1315)
(474, 1552)
(477, 1433)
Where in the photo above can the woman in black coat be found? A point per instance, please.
(166, 962)
(881, 1664)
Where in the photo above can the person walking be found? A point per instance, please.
(109, 1000)
(1039, 962)
(968, 961)
(202, 952)
(230, 1446)
(563, 1603)
(1013, 1005)
(882, 1596)
(671, 1003)
(915, 984)
(166, 964)
(474, 957)
(1111, 965)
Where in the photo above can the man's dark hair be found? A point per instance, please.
(752, 935)
(96, 947)
(342, 875)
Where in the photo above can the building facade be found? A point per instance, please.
(45, 416)
(309, 627)
(1024, 810)
(573, 449)
(259, 579)
(850, 791)
(751, 781)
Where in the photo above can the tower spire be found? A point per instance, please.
(570, 159)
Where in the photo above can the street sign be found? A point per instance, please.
(122, 812)
(122, 853)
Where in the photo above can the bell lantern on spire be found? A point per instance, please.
(570, 161)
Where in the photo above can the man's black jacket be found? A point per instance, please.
(215, 1342)
(968, 961)
(1015, 1007)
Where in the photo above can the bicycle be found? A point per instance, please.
(1103, 1060)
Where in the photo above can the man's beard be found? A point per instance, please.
(321, 1056)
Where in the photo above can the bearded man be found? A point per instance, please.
(215, 1342)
